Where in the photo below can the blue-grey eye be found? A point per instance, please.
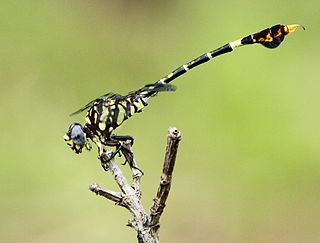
(77, 134)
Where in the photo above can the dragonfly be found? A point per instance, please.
(107, 112)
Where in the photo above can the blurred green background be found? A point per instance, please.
(248, 168)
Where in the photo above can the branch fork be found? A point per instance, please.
(146, 224)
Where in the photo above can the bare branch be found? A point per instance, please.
(159, 202)
(131, 198)
(111, 195)
(146, 225)
(118, 175)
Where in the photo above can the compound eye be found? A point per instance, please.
(77, 135)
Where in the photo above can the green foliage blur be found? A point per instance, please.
(248, 168)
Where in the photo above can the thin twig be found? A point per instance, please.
(108, 159)
(111, 195)
(159, 202)
(130, 199)
(146, 225)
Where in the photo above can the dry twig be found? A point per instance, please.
(146, 224)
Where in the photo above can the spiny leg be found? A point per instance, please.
(123, 138)
(119, 141)
(123, 144)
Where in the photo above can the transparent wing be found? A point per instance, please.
(95, 101)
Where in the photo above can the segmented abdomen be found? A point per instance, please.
(270, 37)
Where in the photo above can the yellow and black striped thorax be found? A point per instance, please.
(108, 112)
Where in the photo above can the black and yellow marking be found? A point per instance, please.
(195, 62)
(109, 111)
(270, 38)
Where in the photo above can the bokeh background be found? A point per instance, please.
(248, 168)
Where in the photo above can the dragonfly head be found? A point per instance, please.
(75, 137)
